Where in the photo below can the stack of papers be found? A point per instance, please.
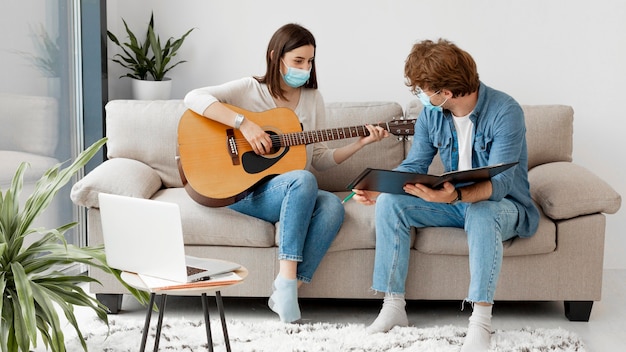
(155, 283)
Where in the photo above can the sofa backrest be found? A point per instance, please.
(386, 154)
(147, 131)
(549, 133)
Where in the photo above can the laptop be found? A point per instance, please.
(145, 236)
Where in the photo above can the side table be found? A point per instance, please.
(196, 289)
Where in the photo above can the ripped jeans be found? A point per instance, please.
(486, 223)
(309, 218)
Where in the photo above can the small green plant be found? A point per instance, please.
(147, 57)
(32, 282)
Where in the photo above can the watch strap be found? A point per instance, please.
(238, 121)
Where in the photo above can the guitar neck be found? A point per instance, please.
(331, 134)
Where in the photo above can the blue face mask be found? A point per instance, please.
(425, 100)
(296, 77)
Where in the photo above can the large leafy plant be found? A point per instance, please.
(33, 285)
(147, 57)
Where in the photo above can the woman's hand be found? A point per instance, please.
(258, 139)
(365, 197)
(377, 133)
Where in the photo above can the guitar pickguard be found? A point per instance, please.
(253, 163)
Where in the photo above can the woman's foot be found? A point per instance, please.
(284, 299)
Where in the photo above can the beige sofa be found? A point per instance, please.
(562, 262)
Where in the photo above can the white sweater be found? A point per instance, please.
(247, 93)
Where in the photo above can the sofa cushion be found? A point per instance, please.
(217, 226)
(453, 241)
(357, 230)
(121, 176)
(566, 190)
(358, 114)
(146, 130)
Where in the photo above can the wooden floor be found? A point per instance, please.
(605, 331)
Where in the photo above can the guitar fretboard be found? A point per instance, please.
(299, 138)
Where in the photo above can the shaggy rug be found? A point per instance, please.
(186, 335)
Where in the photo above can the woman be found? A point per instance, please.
(309, 218)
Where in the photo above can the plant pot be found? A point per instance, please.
(151, 90)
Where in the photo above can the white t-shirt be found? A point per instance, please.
(247, 93)
(465, 136)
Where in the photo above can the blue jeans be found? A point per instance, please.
(309, 218)
(487, 224)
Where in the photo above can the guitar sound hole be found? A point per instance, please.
(276, 148)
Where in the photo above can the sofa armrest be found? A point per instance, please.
(121, 176)
(565, 190)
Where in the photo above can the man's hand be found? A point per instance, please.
(443, 195)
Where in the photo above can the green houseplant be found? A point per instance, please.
(32, 282)
(148, 57)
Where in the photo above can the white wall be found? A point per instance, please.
(540, 51)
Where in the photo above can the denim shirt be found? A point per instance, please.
(499, 137)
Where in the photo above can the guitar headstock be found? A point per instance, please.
(401, 127)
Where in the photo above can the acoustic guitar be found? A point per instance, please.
(219, 167)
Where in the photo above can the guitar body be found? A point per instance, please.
(218, 165)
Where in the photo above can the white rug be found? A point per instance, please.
(190, 335)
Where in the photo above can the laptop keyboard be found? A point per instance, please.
(192, 270)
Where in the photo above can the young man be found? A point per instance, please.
(470, 125)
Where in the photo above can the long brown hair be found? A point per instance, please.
(441, 65)
(285, 39)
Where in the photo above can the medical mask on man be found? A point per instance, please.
(425, 100)
(296, 77)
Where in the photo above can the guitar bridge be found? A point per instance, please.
(231, 146)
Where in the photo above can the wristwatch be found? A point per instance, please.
(238, 121)
(459, 197)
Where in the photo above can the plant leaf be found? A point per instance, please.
(26, 310)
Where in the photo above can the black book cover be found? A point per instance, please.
(389, 181)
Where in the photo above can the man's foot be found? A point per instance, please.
(391, 314)
(478, 337)
(284, 299)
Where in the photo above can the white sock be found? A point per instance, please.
(391, 314)
(478, 337)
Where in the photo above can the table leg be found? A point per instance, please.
(146, 325)
(157, 338)
(207, 321)
(220, 308)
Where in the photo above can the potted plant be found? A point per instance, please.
(33, 286)
(148, 60)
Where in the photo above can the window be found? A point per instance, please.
(41, 99)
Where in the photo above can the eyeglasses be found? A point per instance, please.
(417, 91)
